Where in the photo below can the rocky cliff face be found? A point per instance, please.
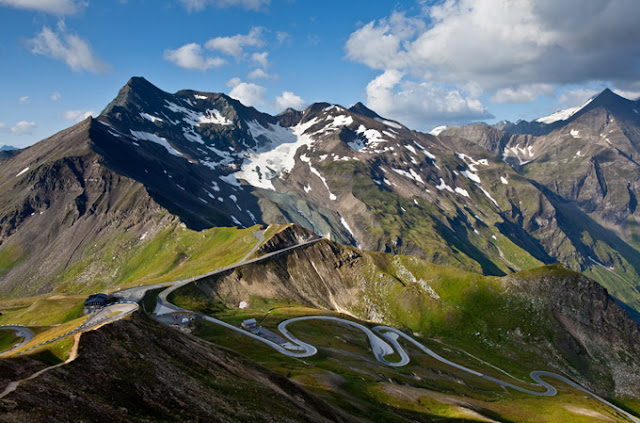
(594, 327)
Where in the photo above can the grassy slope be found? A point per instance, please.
(345, 373)
(8, 339)
(172, 254)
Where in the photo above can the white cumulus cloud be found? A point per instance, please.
(23, 128)
(509, 50)
(235, 45)
(289, 99)
(261, 59)
(54, 7)
(24, 99)
(526, 93)
(261, 74)
(421, 105)
(576, 97)
(190, 56)
(247, 93)
(67, 47)
(78, 115)
(199, 5)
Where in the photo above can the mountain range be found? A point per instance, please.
(455, 232)
(477, 197)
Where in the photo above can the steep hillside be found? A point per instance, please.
(70, 223)
(154, 160)
(138, 371)
(545, 318)
(346, 173)
(586, 166)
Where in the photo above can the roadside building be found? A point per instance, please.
(95, 301)
(249, 324)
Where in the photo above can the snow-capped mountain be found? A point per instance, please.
(460, 198)
(563, 114)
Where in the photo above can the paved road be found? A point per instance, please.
(107, 314)
(384, 341)
(138, 292)
(21, 332)
(163, 306)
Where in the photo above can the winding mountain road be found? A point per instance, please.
(384, 341)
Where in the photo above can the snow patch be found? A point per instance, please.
(504, 180)
(411, 174)
(425, 152)
(410, 148)
(442, 185)
(562, 114)
(200, 97)
(357, 145)
(611, 269)
(146, 136)
(575, 133)
(22, 171)
(462, 192)
(195, 118)
(346, 226)
(230, 179)
(151, 118)
(485, 192)
(437, 130)
(332, 197)
(390, 123)
(471, 162)
(277, 156)
(470, 175)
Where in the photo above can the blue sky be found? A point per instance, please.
(424, 63)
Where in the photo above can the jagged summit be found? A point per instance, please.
(364, 111)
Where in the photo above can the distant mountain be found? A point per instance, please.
(463, 198)
(587, 162)
(7, 148)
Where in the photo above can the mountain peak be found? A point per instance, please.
(607, 97)
(363, 110)
(135, 89)
(609, 101)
